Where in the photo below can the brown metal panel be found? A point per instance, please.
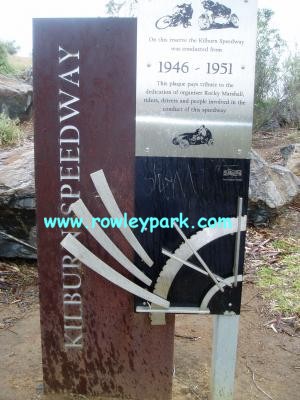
(121, 354)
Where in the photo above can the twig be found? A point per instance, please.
(188, 337)
(289, 351)
(10, 330)
(189, 387)
(256, 385)
(251, 298)
(260, 245)
(247, 309)
(16, 301)
(273, 327)
(18, 240)
(288, 318)
(270, 322)
(77, 396)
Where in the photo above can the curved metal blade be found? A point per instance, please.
(200, 259)
(78, 250)
(199, 240)
(190, 265)
(81, 211)
(112, 207)
(212, 291)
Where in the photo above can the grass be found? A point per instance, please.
(10, 132)
(14, 65)
(19, 64)
(280, 283)
(294, 135)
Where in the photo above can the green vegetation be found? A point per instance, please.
(280, 283)
(291, 88)
(10, 132)
(5, 67)
(10, 63)
(269, 48)
(277, 83)
(11, 47)
(19, 64)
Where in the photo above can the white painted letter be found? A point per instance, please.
(70, 75)
(66, 55)
(66, 104)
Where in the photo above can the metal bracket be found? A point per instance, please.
(157, 315)
(238, 241)
(171, 310)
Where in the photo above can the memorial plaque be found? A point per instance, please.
(142, 146)
(195, 87)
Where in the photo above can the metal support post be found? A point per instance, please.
(225, 338)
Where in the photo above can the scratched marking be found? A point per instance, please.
(175, 184)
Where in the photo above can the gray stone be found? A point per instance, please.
(17, 202)
(270, 126)
(27, 75)
(15, 98)
(291, 156)
(271, 187)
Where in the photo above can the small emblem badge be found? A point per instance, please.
(232, 173)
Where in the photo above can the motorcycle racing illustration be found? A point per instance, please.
(201, 135)
(183, 15)
(215, 16)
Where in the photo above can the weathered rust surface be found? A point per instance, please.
(122, 354)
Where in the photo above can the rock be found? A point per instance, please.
(27, 75)
(15, 98)
(271, 187)
(270, 126)
(17, 202)
(291, 156)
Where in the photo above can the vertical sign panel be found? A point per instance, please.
(84, 96)
(195, 88)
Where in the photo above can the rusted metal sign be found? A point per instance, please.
(85, 96)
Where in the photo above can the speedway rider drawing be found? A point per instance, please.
(201, 135)
(214, 16)
(182, 15)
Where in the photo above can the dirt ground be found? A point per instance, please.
(268, 144)
(267, 361)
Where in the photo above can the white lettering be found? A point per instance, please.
(66, 104)
(66, 55)
(71, 285)
(69, 168)
(66, 155)
(66, 173)
(71, 139)
(76, 342)
(70, 74)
